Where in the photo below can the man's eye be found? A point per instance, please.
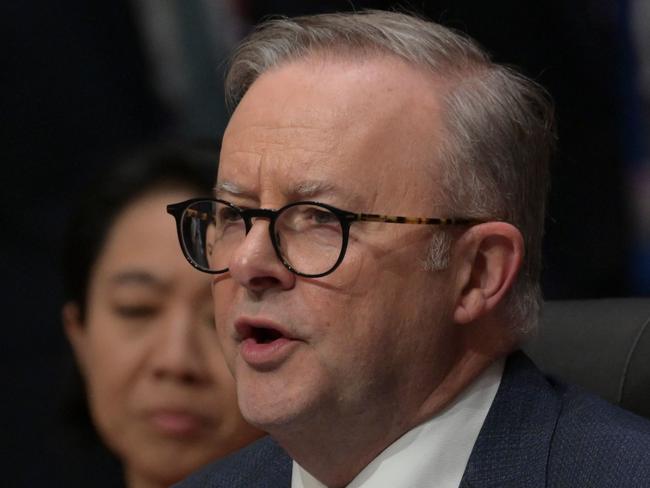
(320, 216)
(229, 215)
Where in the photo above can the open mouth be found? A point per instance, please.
(265, 335)
(264, 344)
(259, 332)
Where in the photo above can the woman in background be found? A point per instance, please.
(140, 322)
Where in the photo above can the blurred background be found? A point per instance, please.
(84, 82)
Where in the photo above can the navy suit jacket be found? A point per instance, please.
(538, 433)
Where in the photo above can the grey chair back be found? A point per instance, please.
(602, 345)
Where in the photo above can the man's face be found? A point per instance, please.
(367, 342)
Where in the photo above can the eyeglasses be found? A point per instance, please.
(309, 238)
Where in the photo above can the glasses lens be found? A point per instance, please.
(211, 232)
(309, 238)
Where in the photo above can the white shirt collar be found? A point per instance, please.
(434, 453)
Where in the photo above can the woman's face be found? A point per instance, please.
(159, 391)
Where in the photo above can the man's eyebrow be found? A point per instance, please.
(328, 191)
(303, 190)
(306, 190)
(231, 188)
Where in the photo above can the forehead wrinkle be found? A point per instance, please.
(278, 173)
(351, 130)
(257, 139)
(257, 152)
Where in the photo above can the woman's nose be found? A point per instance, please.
(177, 354)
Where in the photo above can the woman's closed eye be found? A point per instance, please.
(136, 311)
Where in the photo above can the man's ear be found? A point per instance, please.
(488, 257)
(75, 332)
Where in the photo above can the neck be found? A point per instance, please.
(335, 450)
(336, 455)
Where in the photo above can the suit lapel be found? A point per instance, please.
(269, 466)
(513, 446)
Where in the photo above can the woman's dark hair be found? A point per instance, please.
(191, 166)
(179, 165)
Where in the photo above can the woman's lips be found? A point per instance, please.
(177, 423)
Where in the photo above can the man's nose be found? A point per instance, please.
(256, 265)
(178, 354)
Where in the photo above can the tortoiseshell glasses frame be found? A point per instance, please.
(297, 218)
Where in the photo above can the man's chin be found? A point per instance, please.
(269, 408)
(272, 420)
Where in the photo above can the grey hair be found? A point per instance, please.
(498, 125)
